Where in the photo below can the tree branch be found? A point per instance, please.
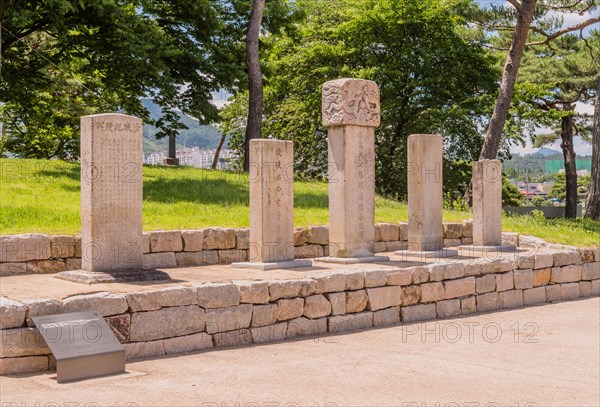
(515, 4)
(550, 37)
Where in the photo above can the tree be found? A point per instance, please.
(545, 29)
(430, 78)
(592, 207)
(64, 58)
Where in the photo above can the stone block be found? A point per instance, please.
(166, 241)
(505, 281)
(431, 292)
(62, 246)
(403, 231)
(468, 305)
(217, 295)
(523, 279)
(290, 308)
(144, 301)
(453, 271)
(380, 247)
(452, 242)
(384, 297)
(525, 261)
(11, 269)
(188, 343)
(104, 303)
(590, 271)
(485, 284)
(565, 258)
(566, 274)
(310, 251)
(466, 240)
(395, 246)
(467, 228)
(18, 248)
(510, 238)
(228, 319)
(543, 260)
(553, 293)
(300, 236)
(585, 288)
(178, 296)
(167, 323)
(355, 280)
(318, 235)
(121, 326)
(459, 288)
(595, 287)
(240, 337)
(12, 313)
(541, 277)
(487, 202)
(158, 260)
(291, 288)
(399, 277)
(270, 333)
(436, 272)
(306, 327)
(420, 274)
(219, 238)
(453, 230)
(316, 306)
(73, 263)
(145, 245)
(139, 350)
(201, 258)
(193, 240)
(253, 292)
(472, 268)
(356, 301)
(511, 299)
(232, 256)
(22, 342)
(448, 308)
(342, 323)
(570, 291)
(242, 239)
(419, 312)
(46, 266)
(338, 303)
(330, 281)
(387, 232)
(41, 307)
(535, 295)
(375, 278)
(411, 295)
(263, 315)
(29, 364)
(388, 316)
(487, 302)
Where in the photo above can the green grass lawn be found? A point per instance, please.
(39, 196)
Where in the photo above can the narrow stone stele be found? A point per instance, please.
(271, 207)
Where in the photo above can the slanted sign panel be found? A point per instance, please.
(83, 344)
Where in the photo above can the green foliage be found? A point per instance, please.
(510, 194)
(431, 81)
(559, 188)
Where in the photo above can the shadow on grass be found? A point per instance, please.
(311, 200)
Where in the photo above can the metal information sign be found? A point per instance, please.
(83, 344)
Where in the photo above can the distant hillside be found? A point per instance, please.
(547, 152)
(202, 136)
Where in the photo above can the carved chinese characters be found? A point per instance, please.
(487, 203)
(111, 192)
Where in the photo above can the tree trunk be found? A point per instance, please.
(566, 134)
(507, 85)
(592, 207)
(255, 85)
(218, 152)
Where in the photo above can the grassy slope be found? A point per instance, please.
(43, 197)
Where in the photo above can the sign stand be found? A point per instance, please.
(83, 344)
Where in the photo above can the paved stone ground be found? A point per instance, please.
(545, 356)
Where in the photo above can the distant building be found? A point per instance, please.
(532, 189)
(194, 157)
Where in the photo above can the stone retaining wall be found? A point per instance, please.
(37, 253)
(182, 319)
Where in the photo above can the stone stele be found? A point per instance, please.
(487, 203)
(351, 112)
(111, 193)
(272, 206)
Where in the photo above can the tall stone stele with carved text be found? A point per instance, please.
(487, 203)
(351, 112)
(111, 193)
